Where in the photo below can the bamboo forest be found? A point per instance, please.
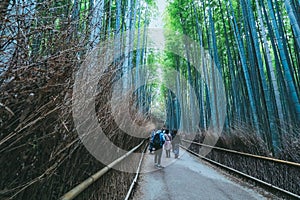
(77, 75)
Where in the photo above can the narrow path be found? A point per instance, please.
(188, 178)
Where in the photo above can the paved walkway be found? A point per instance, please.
(188, 178)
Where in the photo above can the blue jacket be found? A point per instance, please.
(162, 138)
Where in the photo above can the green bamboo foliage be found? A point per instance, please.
(266, 90)
(245, 68)
(255, 45)
(271, 69)
(285, 63)
(293, 19)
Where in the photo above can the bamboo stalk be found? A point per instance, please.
(136, 176)
(86, 183)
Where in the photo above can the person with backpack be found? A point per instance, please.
(158, 142)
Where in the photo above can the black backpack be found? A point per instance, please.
(156, 141)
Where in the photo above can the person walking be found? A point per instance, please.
(168, 144)
(176, 142)
(158, 142)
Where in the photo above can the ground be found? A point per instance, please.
(190, 178)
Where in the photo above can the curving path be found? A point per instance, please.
(189, 178)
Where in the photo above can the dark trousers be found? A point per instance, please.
(173, 146)
(157, 157)
(150, 147)
(176, 150)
